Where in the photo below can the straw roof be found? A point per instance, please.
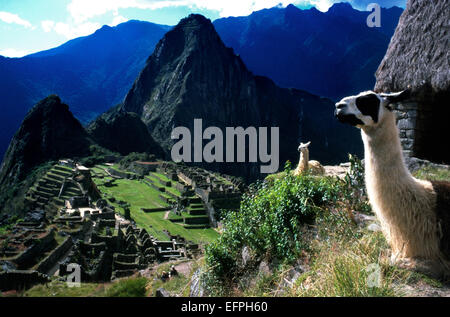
(419, 52)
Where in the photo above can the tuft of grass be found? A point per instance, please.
(179, 284)
(432, 173)
(129, 287)
(61, 289)
(351, 268)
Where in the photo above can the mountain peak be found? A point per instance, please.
(292, 7)
(195, 22)
(194, 19)
(48, 132)
(341, 7)
(192, 74)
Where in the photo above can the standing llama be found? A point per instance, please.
(414, 214)
(305, 165)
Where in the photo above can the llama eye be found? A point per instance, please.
(369, 105)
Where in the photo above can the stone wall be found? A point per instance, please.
(406, 121)
(26, 258)
(21, 280)
(50, 261)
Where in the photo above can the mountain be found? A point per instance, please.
(48, 132)
(90, 73)
(123, 132)
(329, 54)
(192, 74)
(332, 54)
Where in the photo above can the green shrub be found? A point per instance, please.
(270, 221)
(355, 188)
(130, 287)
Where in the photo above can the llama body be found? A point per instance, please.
(305, 165)
(408, 209)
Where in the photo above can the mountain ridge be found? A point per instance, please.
(92, 81)
(192, 74)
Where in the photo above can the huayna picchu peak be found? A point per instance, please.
(192, 74)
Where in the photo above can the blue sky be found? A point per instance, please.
(28, 26)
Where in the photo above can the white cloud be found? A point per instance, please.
(117, 20)
(8, 17)
(83, 10)
(47, 25)
(70, 31)
(12, 52)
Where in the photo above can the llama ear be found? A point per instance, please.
(397, 96)
(307, 144)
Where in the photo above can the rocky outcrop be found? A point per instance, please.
(191, 74)
(48, 132)
(123, 132)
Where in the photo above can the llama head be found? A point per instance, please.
(368, 108)
(303, 146)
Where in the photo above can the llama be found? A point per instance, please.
(414, 214)
(305, 165)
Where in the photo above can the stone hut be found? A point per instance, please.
(418, 58)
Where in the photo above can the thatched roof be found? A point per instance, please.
(419, 52)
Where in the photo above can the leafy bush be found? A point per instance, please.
(98, 156)
(355, 189)
(270, 221)
(130, 287)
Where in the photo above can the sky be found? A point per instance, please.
(29, 26)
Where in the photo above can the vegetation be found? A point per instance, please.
(433, 173)
(139, 195)
(130, 287)
(272, 222)
(179, 284)
(12, 197)
(61, 289)
(306, 219)
(349, 268)
(133, 157)
(98, 155)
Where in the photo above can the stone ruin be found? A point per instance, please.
(91, 235)
(217, 192)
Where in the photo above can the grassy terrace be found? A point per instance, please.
(139, 195)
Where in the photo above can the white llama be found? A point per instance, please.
(305, 165)
(414, 214)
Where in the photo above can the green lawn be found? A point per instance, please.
(140, 195)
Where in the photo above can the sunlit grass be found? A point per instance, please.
(140, 195)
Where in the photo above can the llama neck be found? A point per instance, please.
(383, 154)
(304, 158)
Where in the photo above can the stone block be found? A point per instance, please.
(406, 124)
